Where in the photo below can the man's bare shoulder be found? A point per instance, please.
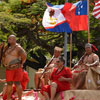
(19, 48)
(95, 55)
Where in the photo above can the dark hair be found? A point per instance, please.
(61, 58)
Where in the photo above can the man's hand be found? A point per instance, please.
(49, 67)
(65, 79)
(21, 65)
(62, 78)
(2, 80)
(2, 44)
(86, 66)
(80, 62)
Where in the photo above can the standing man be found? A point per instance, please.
(13, 59)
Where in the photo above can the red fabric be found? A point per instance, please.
(14, 89)
(94, 48)
(5, 96)
(61, 85)
(14, 75)
(68, 13)
(24, 80)
(81, 23)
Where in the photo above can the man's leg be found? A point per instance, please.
(37, 79)
(18, 89)
(4, 92)
(80, 80)
(53, 90)
(46, 95)
(9, 90)
(46, 77)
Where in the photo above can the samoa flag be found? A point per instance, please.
(54, 20)
(76, 15)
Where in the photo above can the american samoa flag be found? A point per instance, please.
(96, 10)
(53, 19)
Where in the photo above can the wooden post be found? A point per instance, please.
(88, 21)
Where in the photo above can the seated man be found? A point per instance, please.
(89, 59)
(60, 80)
(38, 74)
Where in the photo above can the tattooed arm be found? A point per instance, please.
(22, 54)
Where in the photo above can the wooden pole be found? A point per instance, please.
(65, 48)
(88, 21)
(70, 50)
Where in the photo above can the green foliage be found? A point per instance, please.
(25, 21)
(9, 22)
(4, 7)
(38, 7)
(15, 5)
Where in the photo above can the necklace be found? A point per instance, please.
(57, 72)
(86, 59)
(10, 49)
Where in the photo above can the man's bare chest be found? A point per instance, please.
(11, 52)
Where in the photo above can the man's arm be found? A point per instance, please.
(22, 54)
(1, 45)
(96, 61)
(68, 77)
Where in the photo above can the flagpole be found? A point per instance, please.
(88, 22)
(70, 50)
(65, 45)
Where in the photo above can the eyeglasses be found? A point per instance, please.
(57, 61)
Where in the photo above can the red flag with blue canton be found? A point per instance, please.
(76, 15)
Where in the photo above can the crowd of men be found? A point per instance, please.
(51, 79)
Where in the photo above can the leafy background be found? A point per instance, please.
(25, 21)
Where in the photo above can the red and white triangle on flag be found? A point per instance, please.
(96, 10)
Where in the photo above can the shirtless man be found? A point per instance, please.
(13, 59)
(89, 59)
(57, 53)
